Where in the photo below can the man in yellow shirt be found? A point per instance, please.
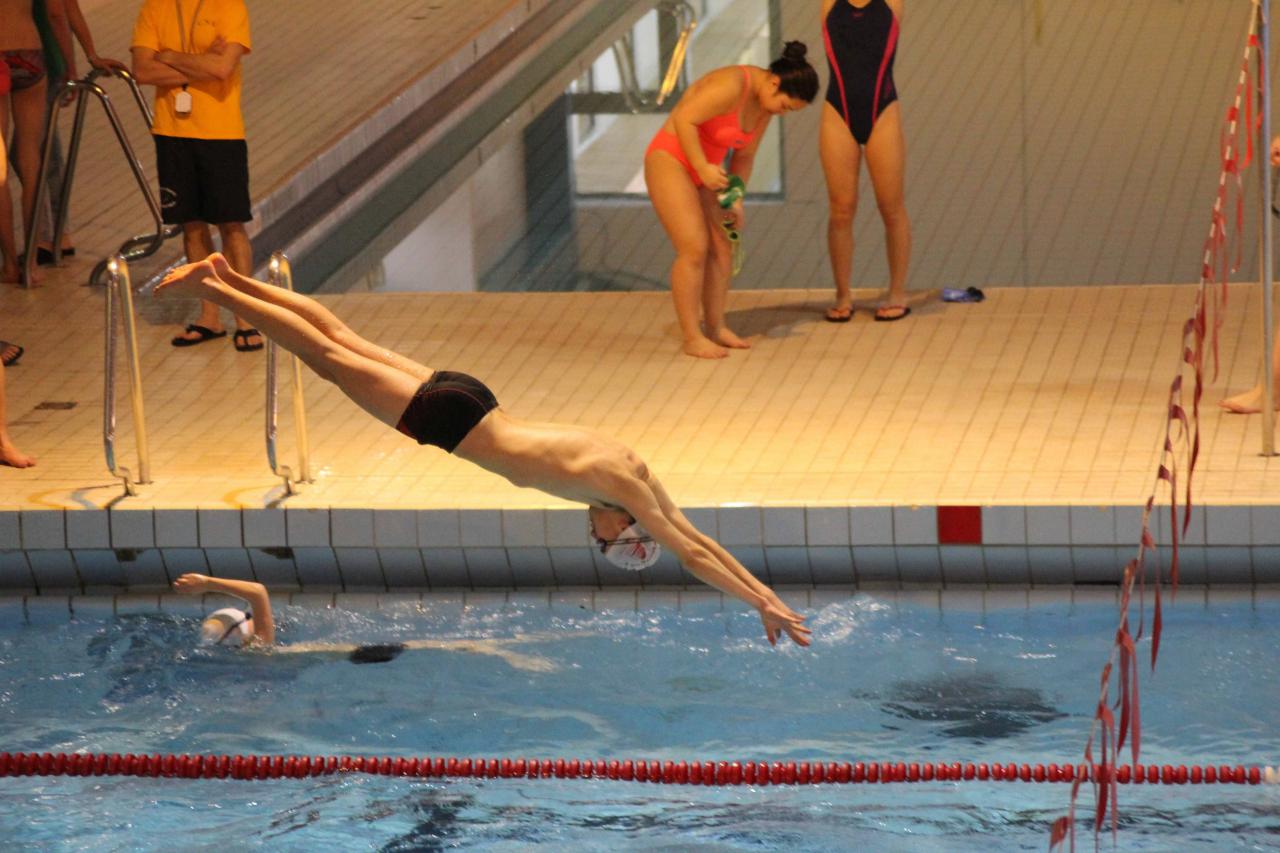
(190, 50)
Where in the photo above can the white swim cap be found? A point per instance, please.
(226, 627)
(633, 550)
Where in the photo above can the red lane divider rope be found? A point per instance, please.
(189, 766)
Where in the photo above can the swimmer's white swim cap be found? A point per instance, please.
(633, 550)
(226, 627)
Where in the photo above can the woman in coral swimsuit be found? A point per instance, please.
(726, 110)
(861, 117)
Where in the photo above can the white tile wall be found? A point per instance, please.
(220, 528)
(439, 528)
(87, 529)
(1004, 525)
(524, 528)
(784, 526)
(871, 525)
(827, 525)
(915, 525)
(262, 528)
(43, 529)
(351, 528)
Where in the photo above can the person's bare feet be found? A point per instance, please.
(725, 337)
(188, 280)
(13, 457)
(221, 266)
(1248, 403)
(704, 348)
(841, 312)
(13, 275)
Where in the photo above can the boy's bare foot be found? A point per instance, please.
(704, 348)
(1248, 403)
(13, 457)
(188, 280)
(725, 337)
(221, 266)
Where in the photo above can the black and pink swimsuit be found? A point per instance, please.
(861, 44)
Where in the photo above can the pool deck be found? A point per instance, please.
(1008, 442)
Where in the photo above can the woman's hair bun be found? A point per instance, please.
(794, 51)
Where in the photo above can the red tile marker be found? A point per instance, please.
(959, 525)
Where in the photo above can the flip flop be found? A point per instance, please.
(205, 333)
(11, 358)
(880, 318)
(241, 340)
(846, 318)
(44, 257)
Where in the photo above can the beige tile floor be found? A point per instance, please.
(1037, 396)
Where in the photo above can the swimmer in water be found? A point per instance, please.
(629, 512)
(255, 628)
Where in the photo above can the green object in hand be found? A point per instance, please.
(732, 194)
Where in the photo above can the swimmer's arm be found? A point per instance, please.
(682, 522)
(150, 71)
(254, 593)
(700, 560)
(895, 6)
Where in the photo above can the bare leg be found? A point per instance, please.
(197, 242)
(9, 455)
(718, 275)
(886, 162)
(380, 390)
(841, 160)
(679, 209)
(239, 252)
(9, 272)
(319, 316)
(1250, 402)
(28, 130)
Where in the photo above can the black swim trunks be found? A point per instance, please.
(446, 407)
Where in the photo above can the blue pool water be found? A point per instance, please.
(883, 681)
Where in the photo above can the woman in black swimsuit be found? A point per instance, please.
(861, 115)
(628, 508)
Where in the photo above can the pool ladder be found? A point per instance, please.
(624, 55)
(280, 273)
(138, 246)
(119, 303)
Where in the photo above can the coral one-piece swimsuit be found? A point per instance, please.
(717, 135)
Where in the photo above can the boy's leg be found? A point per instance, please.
(380, 389)
(324, 320)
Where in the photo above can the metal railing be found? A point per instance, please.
(138, 246)
(624, 56)
(280, 274)
(688, 19)
(1267, 251)
(120, 300)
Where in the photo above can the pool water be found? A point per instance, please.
(884, 681)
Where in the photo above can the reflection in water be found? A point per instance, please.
(977, 706)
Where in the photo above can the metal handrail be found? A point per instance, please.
(624, 58)
(1267, 253)
(139, 246)
(677, 10)
(120, 298)
(280, 273)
